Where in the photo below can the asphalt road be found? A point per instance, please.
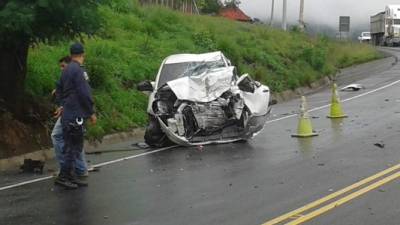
(245, 183)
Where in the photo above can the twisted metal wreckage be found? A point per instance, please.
(198, 99)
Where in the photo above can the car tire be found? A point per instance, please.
(154, 136)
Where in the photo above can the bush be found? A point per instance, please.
(205, 40)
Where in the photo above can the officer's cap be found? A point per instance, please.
(76, 49)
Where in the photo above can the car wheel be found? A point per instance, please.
(154, 136)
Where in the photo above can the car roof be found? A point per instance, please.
(180, 58)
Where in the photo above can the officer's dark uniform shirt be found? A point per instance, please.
(76, 96)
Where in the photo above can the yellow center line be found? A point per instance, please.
(318, 202)
(343, 200)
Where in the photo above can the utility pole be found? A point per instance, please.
(301, 16)
(284, 15)
(271, 21)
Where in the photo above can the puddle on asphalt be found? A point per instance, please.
(337, 129)
(306, 145)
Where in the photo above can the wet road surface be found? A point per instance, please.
(242, 183)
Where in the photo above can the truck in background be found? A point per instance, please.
(385, 27)
(365, 37)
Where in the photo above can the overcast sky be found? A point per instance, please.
(323, 12)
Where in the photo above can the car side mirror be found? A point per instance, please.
(145, 86)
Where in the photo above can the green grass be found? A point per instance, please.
(133, 41)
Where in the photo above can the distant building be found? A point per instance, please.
(234, 13)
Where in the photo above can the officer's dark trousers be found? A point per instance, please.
(73, 146)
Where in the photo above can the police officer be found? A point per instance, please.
(57, 134)
(77, 107)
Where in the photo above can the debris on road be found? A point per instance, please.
(32, 166)
(380, 145)
(141, 145)
(352, 87)
(200, 148)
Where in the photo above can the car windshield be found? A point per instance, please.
(177, 70)
(366, 34)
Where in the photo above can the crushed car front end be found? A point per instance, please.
(205, 102)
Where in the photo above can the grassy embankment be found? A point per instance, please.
(133, 41)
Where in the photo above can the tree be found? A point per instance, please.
(232, 3)
(209, 6)
(25, 22)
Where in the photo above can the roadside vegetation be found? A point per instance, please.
(133, 40)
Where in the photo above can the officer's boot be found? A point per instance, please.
(80, 181)
(64, 180)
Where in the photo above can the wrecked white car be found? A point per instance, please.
(198, 99)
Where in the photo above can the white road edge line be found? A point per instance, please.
(133, 156)
(164, 149)
(345, 100)
(25, 182)
(96, 165)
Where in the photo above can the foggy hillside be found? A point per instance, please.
(321, 16)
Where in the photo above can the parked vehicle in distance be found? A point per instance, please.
(365, 37)
(385, 27)
(198, 99)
